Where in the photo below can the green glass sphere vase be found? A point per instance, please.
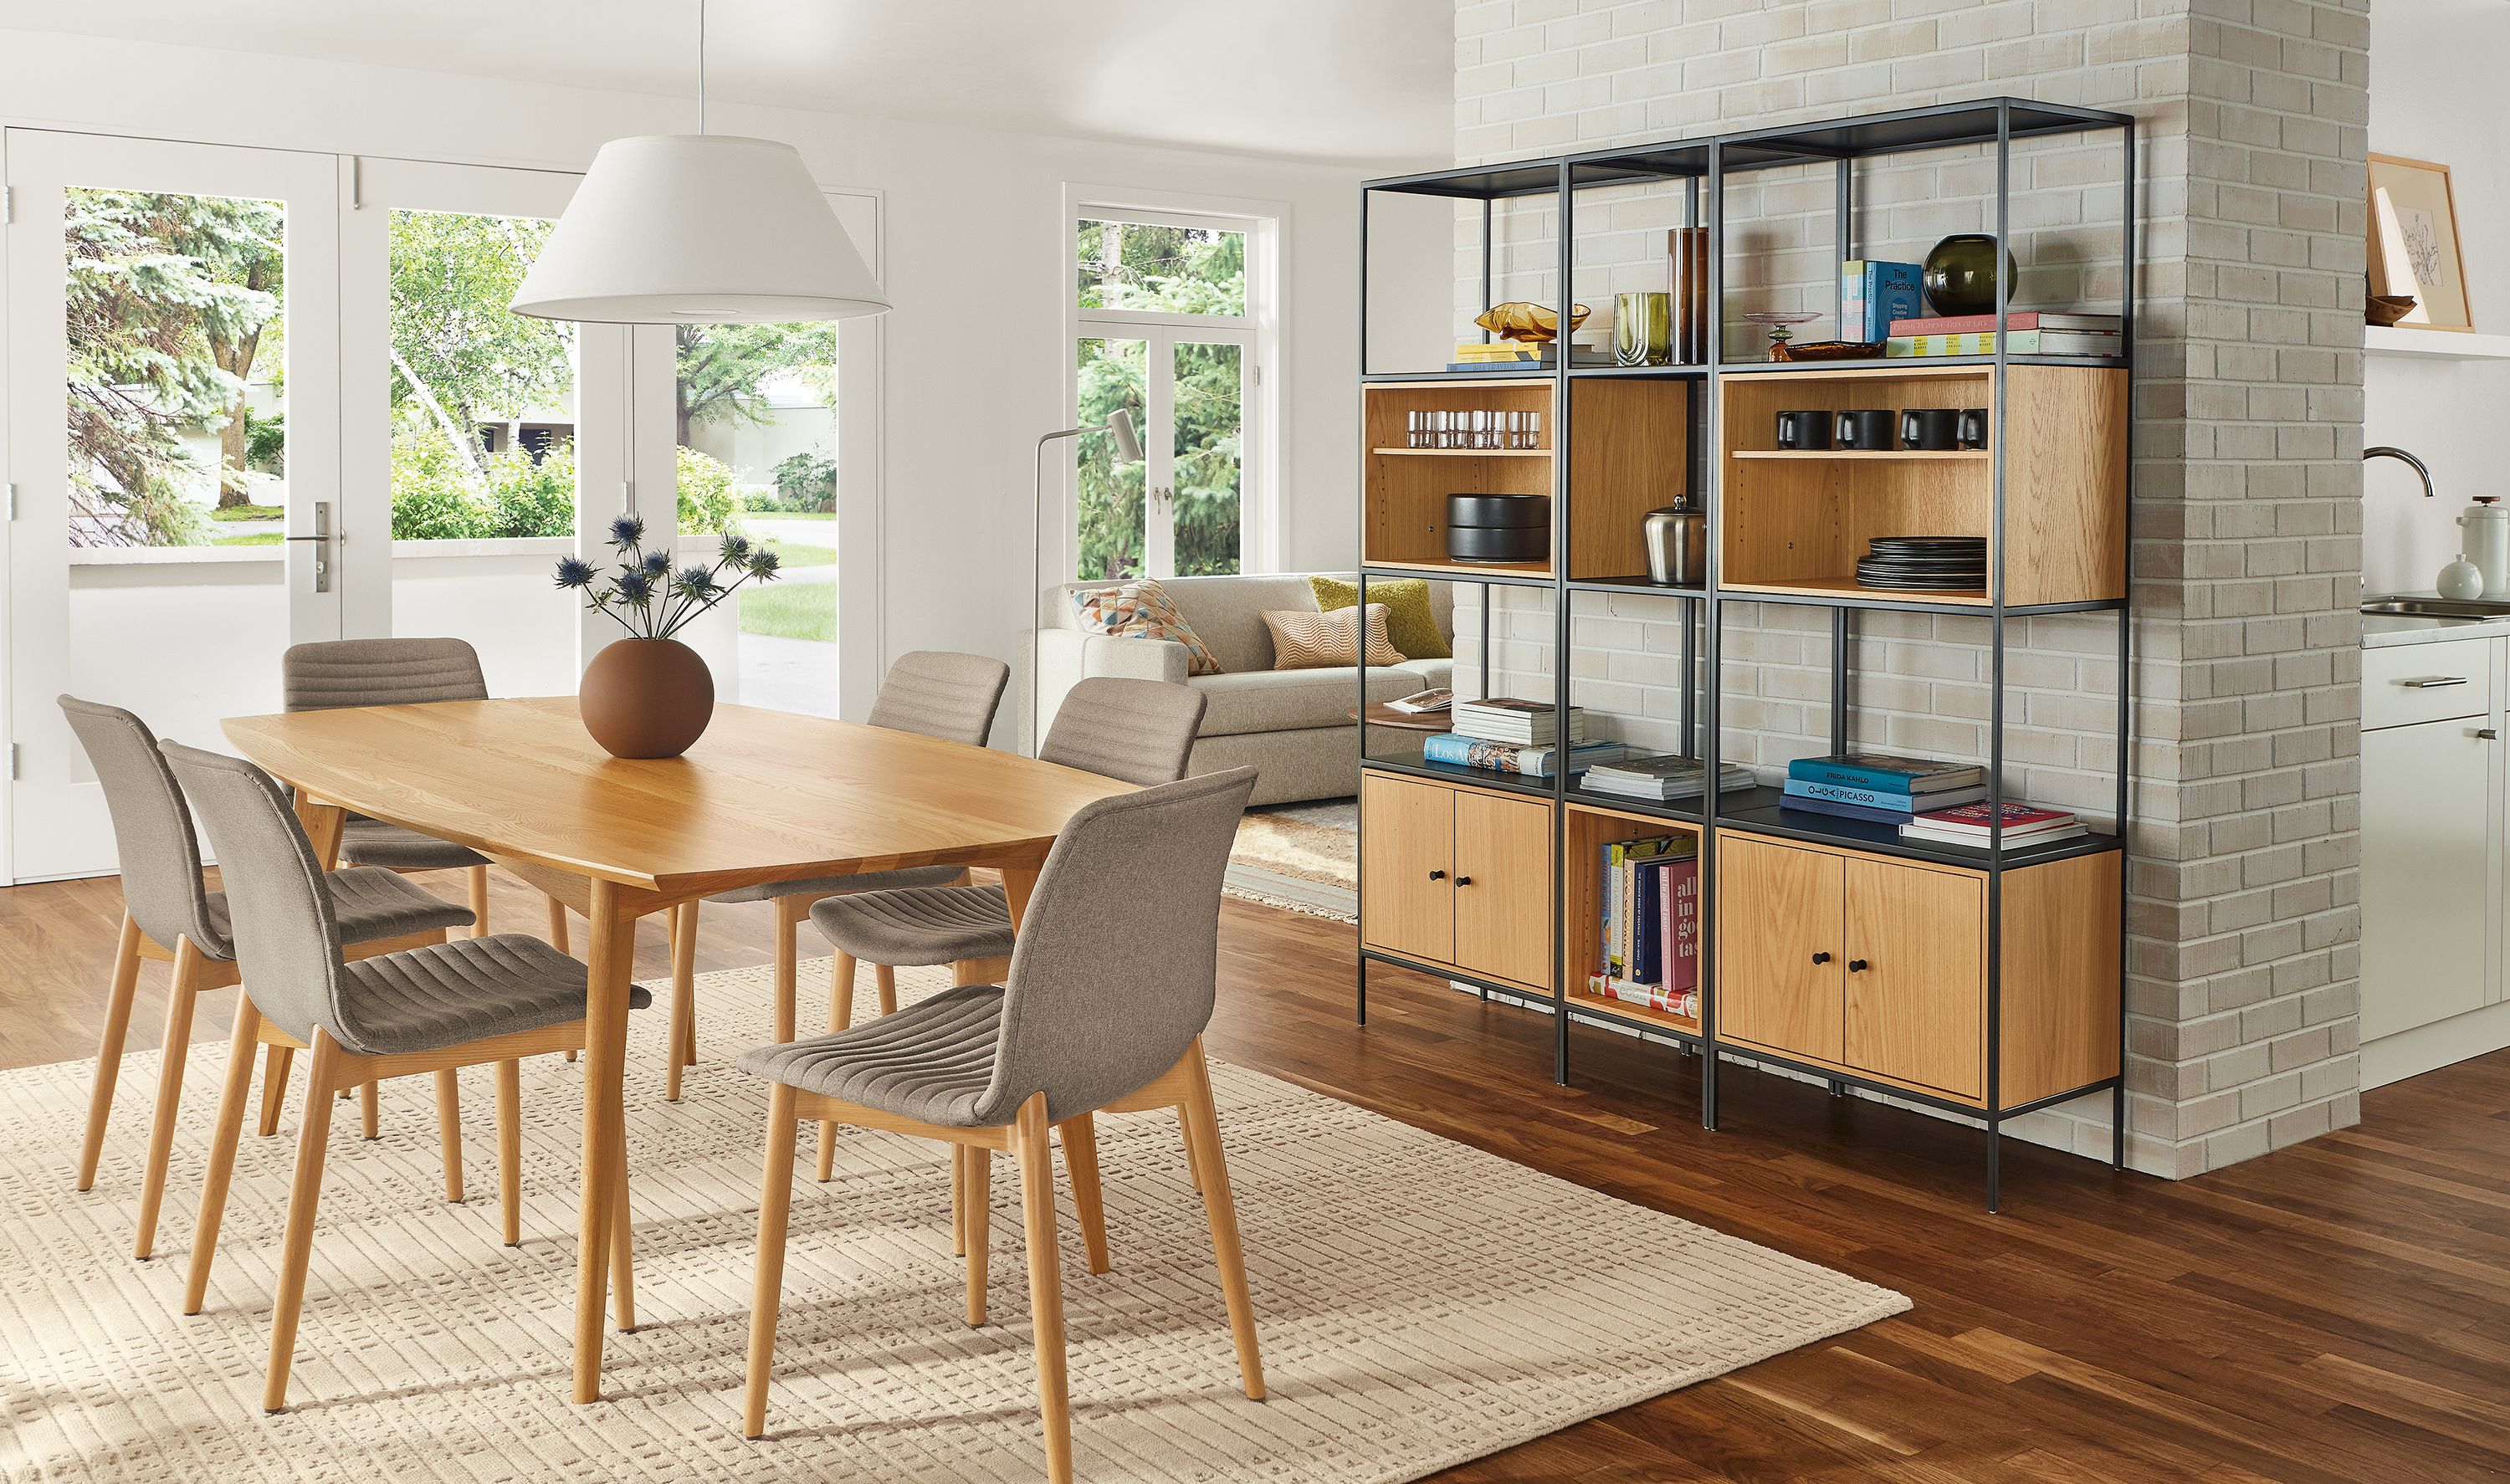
(1960, 274)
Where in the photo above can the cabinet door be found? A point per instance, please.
(1504, 888)
(2423, 895)
(1916, 976)
(1778, 947)
(1407, 861)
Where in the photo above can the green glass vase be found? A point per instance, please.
(1960, 274)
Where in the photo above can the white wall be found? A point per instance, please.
(976, 254)
(2436, 94)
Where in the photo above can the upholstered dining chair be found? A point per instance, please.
(1111, 984)
(932, 692)
(171, 916)
(1137, 731)
(469, 1002)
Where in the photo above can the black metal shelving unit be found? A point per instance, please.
(1702, 168)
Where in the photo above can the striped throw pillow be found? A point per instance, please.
(1318, 640)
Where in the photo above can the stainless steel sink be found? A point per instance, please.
(2438, 607)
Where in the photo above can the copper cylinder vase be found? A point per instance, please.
(646, 697)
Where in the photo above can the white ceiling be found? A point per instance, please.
(1355, 79)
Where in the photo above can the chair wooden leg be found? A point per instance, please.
(303, 1196)
(1045, 1284)
(827, 1169)
(885, 977)
(108, 1049)
(1193, 1165)
(622, 1272)
(273, 1088)
(558, 924)
(478, 884)
(1202, 1129)
(1081, 1158)
(509, 1149)
(775, 1206)
(841, 992)
(682, 924)
(369, 1115)
(958, 1199)
(789, 913)
(977, 1201)
(448, 1131)
(232, 1100)
(179, 1002)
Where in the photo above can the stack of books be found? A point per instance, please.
(1879, 787)
(2027, 332)
(1505, 735)
(1664, 776)
(1650, 949)
(1493, 355)
(1967, 825)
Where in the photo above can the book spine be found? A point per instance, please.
(1814, 771)
(1646, 951)
(1849, 810)
(1682, 929)
(1853, 317)
(2031, 342)
(1611, 906)
(1847, 793)
(2019, 319)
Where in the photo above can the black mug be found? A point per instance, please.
(1969, 430)
(1867, 427)
(1930, 428)
(1804, 430)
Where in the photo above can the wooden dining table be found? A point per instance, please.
(763, 796)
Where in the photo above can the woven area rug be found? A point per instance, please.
(1420, 1303)
(1301, 857)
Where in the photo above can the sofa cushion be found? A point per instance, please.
(1284, 700)
(1142, 609)
(1227, 612)
(1410, 621)
(1323, 640)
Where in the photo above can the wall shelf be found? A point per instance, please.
(1987, 983)
(2433, 344)
(1461, 454)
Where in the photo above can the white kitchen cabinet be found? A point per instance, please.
(2425, 897)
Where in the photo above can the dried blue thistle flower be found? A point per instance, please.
(574, 572)
(627, 530)
(635, 587)
(736, 547)
(695, 582)
(657, 564)
(763, 563)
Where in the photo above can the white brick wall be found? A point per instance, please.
(2247, 442)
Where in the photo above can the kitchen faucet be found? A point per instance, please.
(2389, 452)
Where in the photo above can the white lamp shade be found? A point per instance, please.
(699, 229)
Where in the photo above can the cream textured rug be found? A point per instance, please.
(1301, 857)
(1420, 1303)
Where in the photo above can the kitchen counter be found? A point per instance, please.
(2381, 630)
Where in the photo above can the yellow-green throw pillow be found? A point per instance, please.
(1409, 624)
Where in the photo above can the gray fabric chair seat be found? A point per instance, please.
(470, 989)
(931, 1060)
(930, 924)
(375, 842)
(860, 881)
(371, 903)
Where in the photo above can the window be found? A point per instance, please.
(1167, 326)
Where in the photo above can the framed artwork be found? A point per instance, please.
(2413, 242)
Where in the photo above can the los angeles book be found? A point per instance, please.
(2023, 342)
(2020, 319)
(1887, 771)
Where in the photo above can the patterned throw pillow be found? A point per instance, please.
(1410, 621)
(1318, 640)
(1142, 609)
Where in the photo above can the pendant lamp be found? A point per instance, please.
(699, 229)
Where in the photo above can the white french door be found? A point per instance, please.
(1188, 387)
(172, 451)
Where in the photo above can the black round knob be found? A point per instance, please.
(1855, 966)
(1463, 881)
(1821, 958)
(1437, 875)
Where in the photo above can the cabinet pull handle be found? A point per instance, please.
(2433, 682)
(1437, 875)
(2487, 733)
(1855, 966)
(1463, 881)
(1821, 958)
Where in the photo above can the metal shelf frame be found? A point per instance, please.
(1701, 167)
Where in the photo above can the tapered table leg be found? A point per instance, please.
(610, 935)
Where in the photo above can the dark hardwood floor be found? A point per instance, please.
(2331, 1314)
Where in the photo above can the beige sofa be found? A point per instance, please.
(1293, 726)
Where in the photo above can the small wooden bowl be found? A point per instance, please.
(2387, 308)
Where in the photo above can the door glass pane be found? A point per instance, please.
(758, 410)
(1210, 405)
(1182, 270)
(174, 309)
(1110, 491)
(482, 448)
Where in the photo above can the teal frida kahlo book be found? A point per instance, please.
(1887, 772)
(1882, 798)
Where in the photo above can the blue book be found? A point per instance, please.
(1885, 773)
(1647, 931)
(1902, 804)
(1847, 810)
(1459, 750)
(1873, 293)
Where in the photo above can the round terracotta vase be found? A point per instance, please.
(646, 697)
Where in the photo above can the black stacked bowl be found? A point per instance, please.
(1494, 528)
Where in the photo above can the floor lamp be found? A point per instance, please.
(1128, 450)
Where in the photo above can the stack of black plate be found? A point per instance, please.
(1924, 563)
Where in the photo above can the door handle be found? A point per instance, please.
(2487, 733)
(2433, 682)
(1821, 958)
(1855, 966)
(322, 556)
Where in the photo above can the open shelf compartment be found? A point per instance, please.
(1590, 827)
